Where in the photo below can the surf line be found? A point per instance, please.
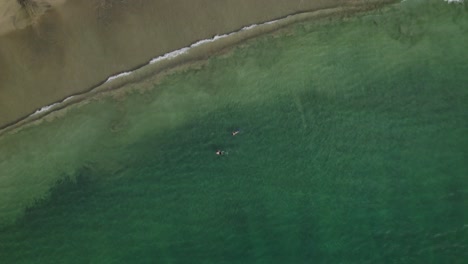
(172, 55)
(245, 33)
(168, 56)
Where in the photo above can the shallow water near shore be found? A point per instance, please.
(352, 149)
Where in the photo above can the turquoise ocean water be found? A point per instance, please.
(352, 148)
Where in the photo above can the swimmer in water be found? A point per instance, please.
(220, 152)
(235, 132)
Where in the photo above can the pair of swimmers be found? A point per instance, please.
(222, 152)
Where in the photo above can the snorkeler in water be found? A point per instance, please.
(220, 152)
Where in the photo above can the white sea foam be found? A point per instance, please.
(118, 76)
(221, 36)
(271, 22)
(44, 109)
(68, 98)
(169, 55)
(249, 27)
(48, 107)
(454, 1)
(201, 42)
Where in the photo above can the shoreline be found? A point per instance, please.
(198, 51)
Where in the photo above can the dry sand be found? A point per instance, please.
(51, 49)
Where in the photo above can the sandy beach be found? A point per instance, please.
(48, 51)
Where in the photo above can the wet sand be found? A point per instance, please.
(64, 48)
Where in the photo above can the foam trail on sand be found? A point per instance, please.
(118, 76)
(48, 107)
(169, 55)
(68, 98)
(249, 27)
(181, 51)
(45, 108)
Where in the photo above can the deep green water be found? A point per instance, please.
(353, 149)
